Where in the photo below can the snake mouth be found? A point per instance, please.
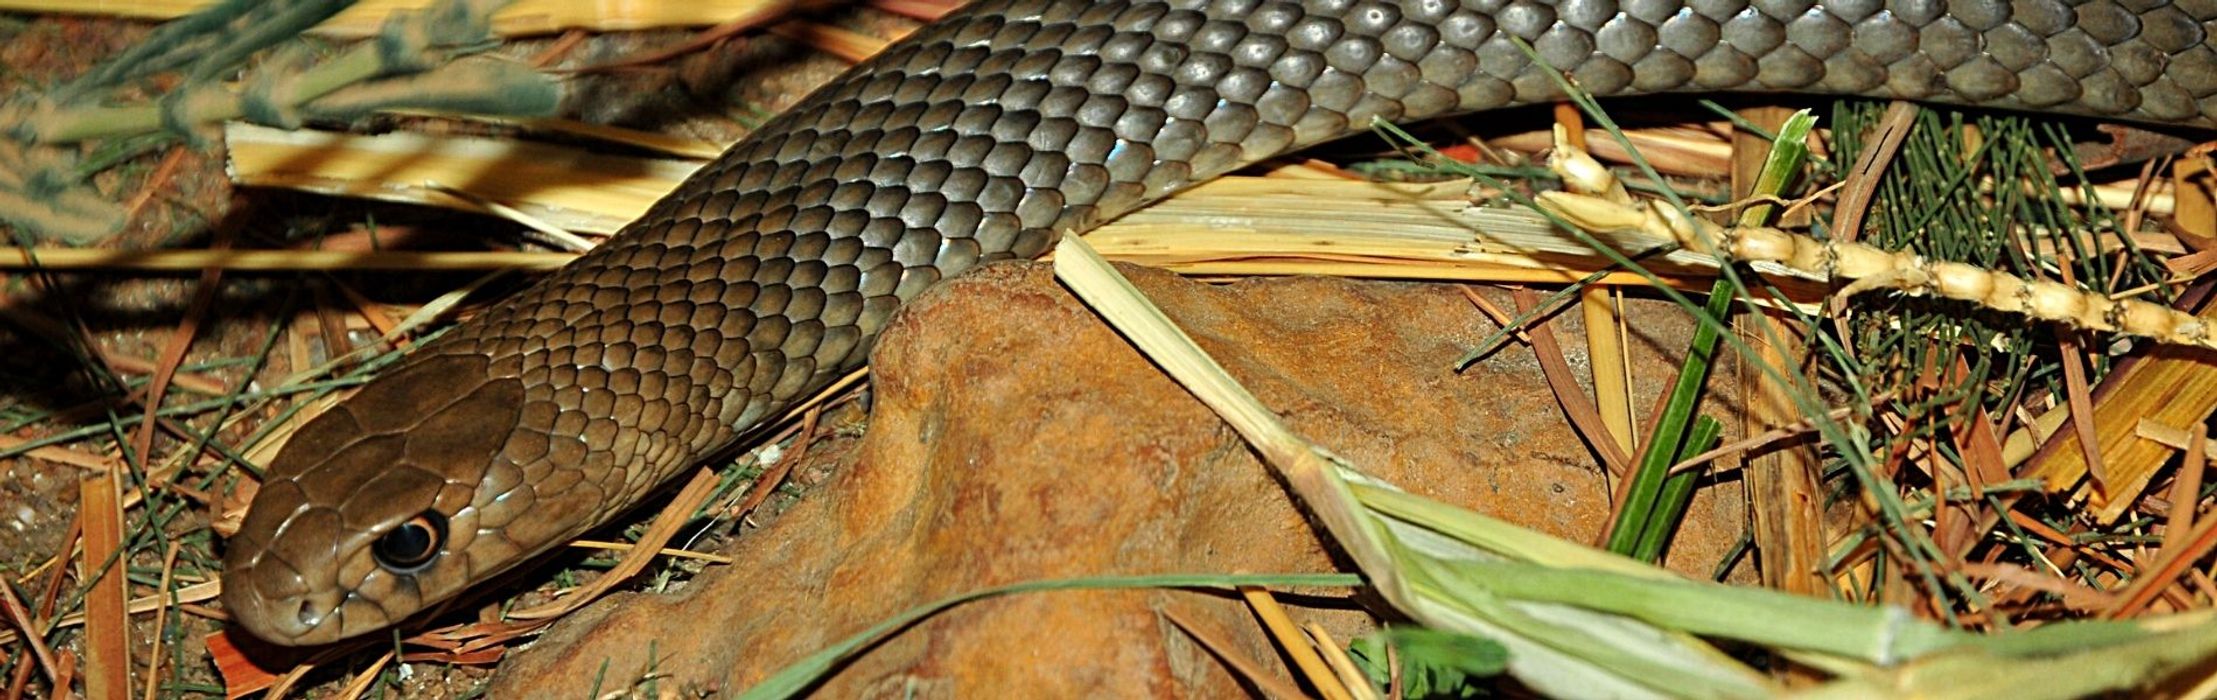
(301, 616)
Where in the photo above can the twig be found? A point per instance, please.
(31, 636)
(1798, 428)
(161, 620)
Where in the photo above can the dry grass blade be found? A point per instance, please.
(1217, 646)
(102, 560)
(553, 236)
(1233, 225)
(1582, 413)
(1784, 484)
(64, 455)
(362, 680)
(2063, 539)
(1291, 642)
(2154, 580)
(161, 620)
(1417, 573)
(1352, 678)
(522, 18)
(1305, 467)
(663, 552)
(2167, 436)
(1564, 384)
(1863, 177)
(2076, 595)
(178, 379)
(675, 146)
(2194, 204)
(665, 526)
(763, 13)
(769, 481)
(570, 188)
(2079, 397)
(67, 661)
(1612, 373)
(197, 593)
(59, 259)
(1673, 150)
(851, 47)
(2186, 489)
(20, 617)
(173, 352)
(1783, 432)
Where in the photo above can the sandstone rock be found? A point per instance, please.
(1017, 438)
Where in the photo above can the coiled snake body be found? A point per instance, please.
(982, 137)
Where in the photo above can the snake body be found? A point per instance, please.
(982, 137)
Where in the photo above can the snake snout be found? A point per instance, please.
(291, 620)
(279, 602)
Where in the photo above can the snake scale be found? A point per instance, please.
(982, 137)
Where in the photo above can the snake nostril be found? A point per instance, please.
(309, 615)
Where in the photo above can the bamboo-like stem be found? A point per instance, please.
(1867, 268)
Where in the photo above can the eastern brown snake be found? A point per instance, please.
(983, 137)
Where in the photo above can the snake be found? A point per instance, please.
(984, 136)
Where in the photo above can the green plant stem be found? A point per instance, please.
(1640, 505)
(215, 104)
(1678, 492)
(1762, 616)
(801, 675)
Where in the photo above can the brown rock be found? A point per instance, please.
(1017, 438)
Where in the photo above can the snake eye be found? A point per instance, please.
(409, 547)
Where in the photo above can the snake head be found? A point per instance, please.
(382, 506)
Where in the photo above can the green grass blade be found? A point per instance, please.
(1678, 492)
(798, 677)
(1782, 166)
(1639, 506)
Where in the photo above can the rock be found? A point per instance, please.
(1017, 438)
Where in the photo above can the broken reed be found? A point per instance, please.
(1863, 267)
(1934, 198)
